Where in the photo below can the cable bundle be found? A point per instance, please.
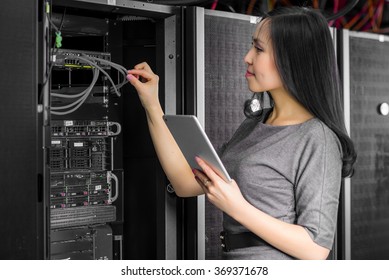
(82, 96)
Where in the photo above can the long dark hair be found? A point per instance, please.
(305, 59)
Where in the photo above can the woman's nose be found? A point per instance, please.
(247, 58)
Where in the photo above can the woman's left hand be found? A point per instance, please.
(224, 195)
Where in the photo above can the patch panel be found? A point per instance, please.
(66, 58)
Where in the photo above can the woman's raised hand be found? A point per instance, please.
(146, 84)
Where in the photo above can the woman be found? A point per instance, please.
(287, 164)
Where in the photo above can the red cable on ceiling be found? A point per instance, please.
(251, 6)
(214, 5)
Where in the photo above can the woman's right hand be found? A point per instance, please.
(147, 86)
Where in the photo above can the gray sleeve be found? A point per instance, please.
(318, 186)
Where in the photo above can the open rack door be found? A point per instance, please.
(20, 149)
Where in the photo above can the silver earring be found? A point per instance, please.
(255, 105)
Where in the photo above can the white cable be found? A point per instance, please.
(88, 60)
(54, 94)
(70, 95)
(86, 92)
(71, 110)
(118, 67)
(113, 64)
(78, 102)
(91, 61)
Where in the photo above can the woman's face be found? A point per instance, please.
(262, 74)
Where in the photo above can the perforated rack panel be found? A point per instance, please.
(369, 87)
(68, 58)
(227, 40)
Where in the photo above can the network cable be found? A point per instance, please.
(83, 96)
(118, 67)
(92, 62)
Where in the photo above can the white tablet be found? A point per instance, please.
(193, 141)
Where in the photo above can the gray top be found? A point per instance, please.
(292, 173)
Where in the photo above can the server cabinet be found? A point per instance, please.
(366, 194)
(103, 154)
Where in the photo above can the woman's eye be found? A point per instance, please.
(258, 49)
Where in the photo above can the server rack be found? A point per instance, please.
(365, 196)
(146, 221)
(91, 176)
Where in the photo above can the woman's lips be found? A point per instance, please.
(249, 74)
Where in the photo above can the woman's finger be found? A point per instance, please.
(134, 81)
(202, 177)
(144, 66)
(199, 181)
(143, 73)
(208, 170)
